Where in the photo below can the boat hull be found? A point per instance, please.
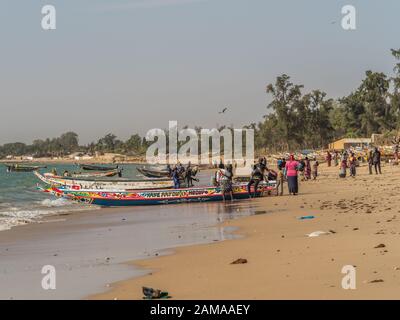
(89, 175)
(99, 184)
(156, 197)
(22, 168)
(91, 167)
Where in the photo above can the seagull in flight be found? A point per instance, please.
(223, 110)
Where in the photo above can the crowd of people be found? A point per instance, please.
(348, 160)
(289, 170)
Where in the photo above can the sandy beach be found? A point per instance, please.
(360, 216)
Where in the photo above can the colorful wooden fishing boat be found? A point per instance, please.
(109, 184)
(19, 167)
(93, 167)
(83, 175)
(153, 172)
(155, 197)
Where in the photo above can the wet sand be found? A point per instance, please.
(88, 249)
(360, 215)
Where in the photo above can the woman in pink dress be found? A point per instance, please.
(291, 175)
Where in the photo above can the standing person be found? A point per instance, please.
(352, 164)
(370, 161)
(343, 169)
(315, 170)
(226, 181)
(175, 177)
(307, 170)
(189, 175)
(280, 179)
(301, 168)
(257, 176)
(336, 158)
(329, 158)
(376, 158)
(291, 175)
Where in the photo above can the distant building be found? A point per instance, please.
(347, 143)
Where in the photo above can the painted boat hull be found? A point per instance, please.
(99, 184)
(111, 173)
(156, 197)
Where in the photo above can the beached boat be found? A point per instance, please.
(103, 184)
(93, 167)
(83, 175)
(157, 172)
(155, 197)
(153, 172)
(17, 167)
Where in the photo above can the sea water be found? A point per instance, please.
(21, 202)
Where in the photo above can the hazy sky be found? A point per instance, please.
(126, 66)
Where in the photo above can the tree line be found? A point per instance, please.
(295, 120)
(311, 120)
(68, 143)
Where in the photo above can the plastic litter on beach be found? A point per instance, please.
(318, 233)
(306, 217)
(150, 294)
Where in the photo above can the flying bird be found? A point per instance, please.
(223, 110)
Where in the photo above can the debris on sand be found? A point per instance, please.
(381, 245)
(376, 281)
(319, 233)
(260, 212)
(239, 261)
(150, 293)
(306, 217)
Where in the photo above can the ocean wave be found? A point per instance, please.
(60, 202)
(15, 216)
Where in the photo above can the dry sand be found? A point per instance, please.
(283, 263)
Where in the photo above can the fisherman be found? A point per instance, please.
(189, 175)
(257, 176)
(175, 177)
(226, 181)
(54, 172)
(66, 173)
(376, 159)
(180, 168)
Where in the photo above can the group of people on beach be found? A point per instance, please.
(348, 160)
(289, 170)
(179, 172)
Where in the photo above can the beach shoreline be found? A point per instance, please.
(358, 216)
(89, 248)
